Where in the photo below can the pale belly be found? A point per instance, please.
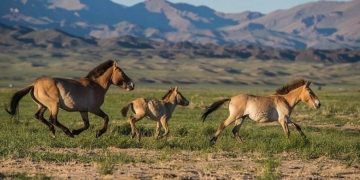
(262, 115)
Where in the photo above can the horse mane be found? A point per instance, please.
(166, 96)
(100, 69)
(290, 86)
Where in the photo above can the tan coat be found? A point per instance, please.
(276, 107)
(158, 110)
(83, 95)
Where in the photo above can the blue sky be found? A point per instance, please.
(264, 6)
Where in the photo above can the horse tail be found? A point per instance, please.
(16, 98)
(125, 109)
(214, 106)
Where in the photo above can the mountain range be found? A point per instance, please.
(316, 25)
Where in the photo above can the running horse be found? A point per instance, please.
(83, 95)
(276, 107)
(159, 110)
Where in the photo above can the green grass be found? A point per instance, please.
(20, 137)
(269, 171)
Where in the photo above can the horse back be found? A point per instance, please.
(152, 108)
(70, 94)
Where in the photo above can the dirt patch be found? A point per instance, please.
(346, 127)
(321, 167)
(183, 165)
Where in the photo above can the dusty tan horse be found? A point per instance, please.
(276, 107)
(159, 110)
(83, 95)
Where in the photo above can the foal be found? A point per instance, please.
(159, 110)
(276, 107)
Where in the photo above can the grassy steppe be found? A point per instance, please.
(332, 130)
(24, 66)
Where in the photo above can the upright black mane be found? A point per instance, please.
(167, 94)
(100, 69)
(290, 86)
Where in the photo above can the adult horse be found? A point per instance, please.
(276, 107)
(83, 95)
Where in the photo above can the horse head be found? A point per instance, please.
(309, 97)
(179, 98)
(119, 78)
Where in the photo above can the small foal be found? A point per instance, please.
(159, 110)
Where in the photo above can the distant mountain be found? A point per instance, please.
(322, 25)
(14, 39)
(45, 38)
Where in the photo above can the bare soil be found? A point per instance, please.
(179, 165)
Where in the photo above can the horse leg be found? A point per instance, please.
(158, 127)
(221, 127)
(164, 123)
(298, 128)
(40, 116)
(101, 114)
(132, 120)
(237, 127)
(54, 109)
(85, 118)
(284, 124)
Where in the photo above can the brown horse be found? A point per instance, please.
(159, 110)
(276, 107)
(83, 95)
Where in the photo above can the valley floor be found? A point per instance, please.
(332, 152)
(183, 165)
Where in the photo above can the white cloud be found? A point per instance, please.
(72, 5)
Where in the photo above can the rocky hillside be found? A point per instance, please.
(17, 38)
(317, 25)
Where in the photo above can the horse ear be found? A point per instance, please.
(176, 88)
(307, 84)
(115, 63)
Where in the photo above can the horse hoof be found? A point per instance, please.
(68, 133)
(138, 137)
(52, 134)
(239, 139)
(75, 132)
(213, 140)
(306, 140)
(98, 134)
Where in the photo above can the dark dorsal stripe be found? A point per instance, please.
(100, 69)
(290, 86)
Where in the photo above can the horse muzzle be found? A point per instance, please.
(130, 86)
(186, 103)
(317, 104)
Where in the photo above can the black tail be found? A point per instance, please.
(16, 98)
(214, 106)
(125, 109)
